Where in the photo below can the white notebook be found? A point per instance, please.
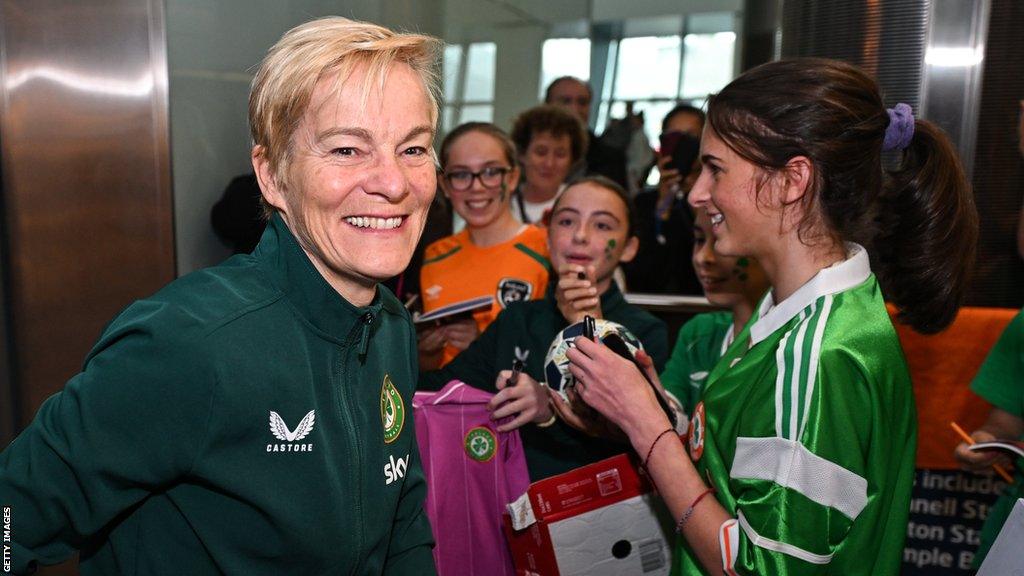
(1004, 558)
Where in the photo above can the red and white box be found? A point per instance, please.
(601, 519)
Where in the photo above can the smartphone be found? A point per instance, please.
(683, 148)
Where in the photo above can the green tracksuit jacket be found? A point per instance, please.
(245, 419)
(525, 330)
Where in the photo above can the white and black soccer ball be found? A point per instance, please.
(556, 363)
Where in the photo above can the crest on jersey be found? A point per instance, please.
(481, 444)
(392, 410)
(697, 425)
(513, 290)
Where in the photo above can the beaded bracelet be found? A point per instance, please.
(653, 444)
(689, 511)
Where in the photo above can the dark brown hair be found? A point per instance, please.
(610, 185)
(552, 120)
(507, 146)
(559, 80)
(682, 109)
(918, 221)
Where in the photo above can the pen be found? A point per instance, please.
(970, 442)
(517, 369)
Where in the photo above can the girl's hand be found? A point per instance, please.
(526, 400)
(430, 340)
(979, 461)
(461, 333)
(577, 297)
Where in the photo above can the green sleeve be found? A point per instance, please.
(474, 365)
(676, 375)
(130, 423)
(410, 548)
(1001, 378)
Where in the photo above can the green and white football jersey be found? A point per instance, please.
(807, 430)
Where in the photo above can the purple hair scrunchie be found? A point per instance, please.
(900, 130)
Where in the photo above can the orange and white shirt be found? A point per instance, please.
(455, 270)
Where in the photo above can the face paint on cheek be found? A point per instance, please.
(609, 249)
(740, 271)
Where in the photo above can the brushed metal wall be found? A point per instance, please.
(998, 165)
(888, 39)
(87, 222)
(957, 63)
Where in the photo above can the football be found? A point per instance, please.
(556, 363)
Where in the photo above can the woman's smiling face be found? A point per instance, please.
(727, 190)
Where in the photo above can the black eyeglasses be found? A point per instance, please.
(490, 177)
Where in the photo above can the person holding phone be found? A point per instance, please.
(663, 219)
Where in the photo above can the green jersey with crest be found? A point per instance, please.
(807, 431)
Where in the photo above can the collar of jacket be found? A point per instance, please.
(290, 270)
(610, 300)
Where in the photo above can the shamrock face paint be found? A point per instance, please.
(609, 249)
(740, 270)
(726, 280)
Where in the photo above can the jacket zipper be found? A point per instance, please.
(358, 331)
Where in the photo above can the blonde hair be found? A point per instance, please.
(284, 83)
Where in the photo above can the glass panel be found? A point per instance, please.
(648, 67)
(480, 72)
(711, 22)
(564, 57)
(707, 63)
(448, 121)
(477, 113)
(654, 113)
(452, 61)
(602, 114)
(609, 70)
(618, 110)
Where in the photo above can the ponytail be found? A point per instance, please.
(927, 232)
(918, 222)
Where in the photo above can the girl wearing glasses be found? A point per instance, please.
(493, 255)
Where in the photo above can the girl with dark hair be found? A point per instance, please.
(801, 451)
(591, 232)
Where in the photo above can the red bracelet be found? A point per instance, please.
(653, 444)
(689, 511)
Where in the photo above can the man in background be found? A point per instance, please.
(575, 96)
